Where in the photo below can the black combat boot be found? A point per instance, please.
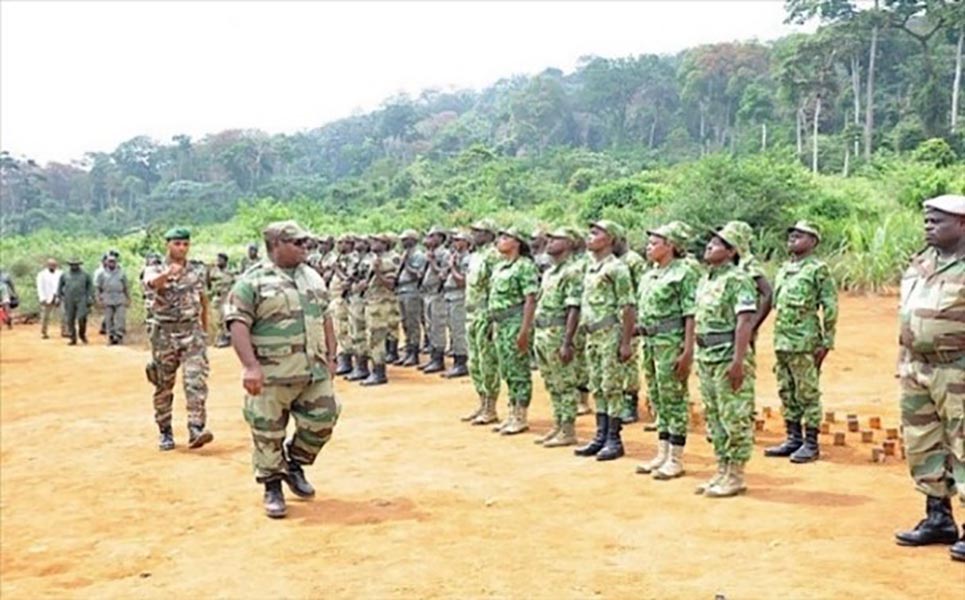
(789, 445)
(596, 444)
(431, 352)
(391, 352)
(361, 370)
(957, 550)
(377, 376)
(344, 366)
(631, 413)
(411, 358)
(936, 528)
(198, 436)
(809, 450)
(437, 363)
(296, 480)
(165, 439)
(459, 367)
(274, 500)
(613, 448)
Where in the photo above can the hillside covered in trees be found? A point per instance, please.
(876, 83)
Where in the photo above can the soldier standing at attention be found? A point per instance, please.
(557, 318)
(512, 306)
(454, 295)
(48, 281)
(607, 317)
(483, 365)
(359, 275)
(339, 285)
(380, 301)
(580, 262)
(933, 373)
(76, 292)
(220, 281)
(250, 258)
(413, 263)
(726, 307)
(281, 329)
(394, 319)
(434, 305)
(666, 303)
(631, 368)
(180, 314)
(114, 296)
(804, 287)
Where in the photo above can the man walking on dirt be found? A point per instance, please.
(76, 291)
(932, 372)
(48, 280)
(114, 297)
(180, 320)
(281, 328)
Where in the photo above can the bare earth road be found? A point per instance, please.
(414, 504)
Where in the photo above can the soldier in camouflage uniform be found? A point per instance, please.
(281, 328)
(557, 318)
(512, 304)
(933, 373)
(151, 260)
(380, 302)
(251, 258)
(394, 318)
(541, 258)
(665, 313)
(607, 317)
(412, 265)
(726, 307)
(631, 369)
(339, 286)
(358, 278)
(454, 294)
(483, 365)
(804, 288)
(580, 262)
(180, 315)
(220, 281)
(433, 279)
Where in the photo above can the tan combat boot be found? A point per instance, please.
(731, 484)
(479, 410)
(510, 417)
(519, 424)
(672, 467)
(488, 414)
(721, 470)
(549, 434)
(565, 437)
(583, 404)
(663, 451)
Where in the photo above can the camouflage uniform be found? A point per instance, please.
(177, 339)
(454, 296)
(356, 306)
(631, 369)
(220, 282)
(434, 305)
(285, 311)
(483, 364)
(512, 281)
(380, 303)
(580, 262)
(410, 300)
(339, 288)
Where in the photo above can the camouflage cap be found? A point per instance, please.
(952, 204)
(409, 234)
(460, 234)
(346, 237)
(177, 233)
(484, 225)
(613, 228)
(561, 232)
(806, 227)
(285, 230)
(675, 232)
(436, 230)
(738, 235)
(516, 233)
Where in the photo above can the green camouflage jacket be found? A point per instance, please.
(511, 282)
(932, 314)
(665, 294)
(560, 290)
(481, 263)
(801, 289)
(723, 293)
(607, 289)
(180, 301)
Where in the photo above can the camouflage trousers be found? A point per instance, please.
(561, 380)
(174, 346)
(933, 418)
(606, 372)
(394, 320)
(342, 320)
(579, 360)
(514, 367)
(631, 369)
(798, 386)
(356, 324)
(219, 306)
(456, 323)
(729, 414)
(483, 367)
(411, 308)
(315, 410)
(435, 316)
(668, 395)
(378, 318)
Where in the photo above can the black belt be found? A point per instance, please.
(709, 340)
(178, 326)
(601, 324)
(544, 321)
(667, 325)
(501, 315)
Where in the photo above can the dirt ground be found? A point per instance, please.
(412, 503)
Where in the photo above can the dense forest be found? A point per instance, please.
(874, 80)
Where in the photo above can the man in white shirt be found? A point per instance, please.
(48, 281)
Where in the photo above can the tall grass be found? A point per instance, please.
(873, 254)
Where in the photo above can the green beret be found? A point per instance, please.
(178, 233)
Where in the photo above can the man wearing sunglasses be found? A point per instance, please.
(179, 321)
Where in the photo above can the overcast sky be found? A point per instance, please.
(82, 76)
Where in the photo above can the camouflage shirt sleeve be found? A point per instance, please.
(528, 278)
(828, 297)
(745, 294)
(241, 303)
(688, 291)
(573, 287)
(622, 285)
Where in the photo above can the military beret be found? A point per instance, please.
(516, 233)
(952, 204)
(484, 225)
(806, 227)
(177, 233)
(285, 230)
(613, 228)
